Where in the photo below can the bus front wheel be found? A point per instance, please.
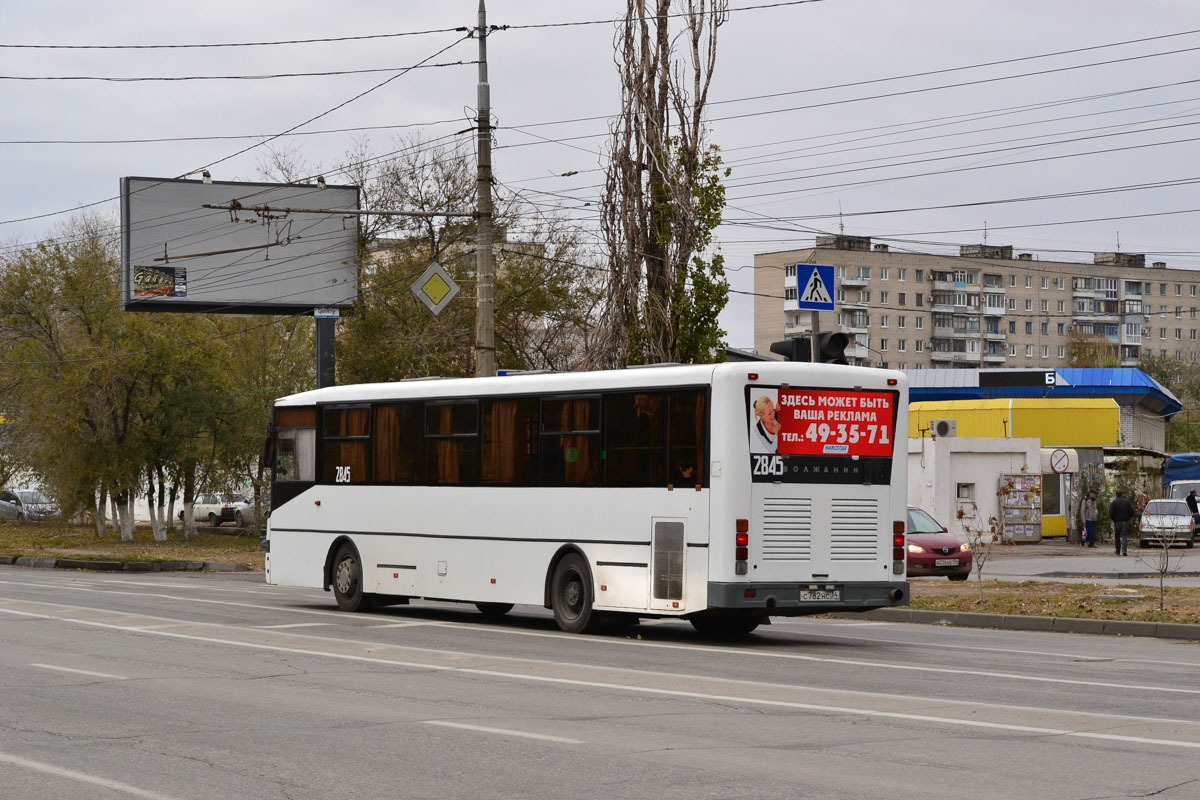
(347, 580)
(571, 594)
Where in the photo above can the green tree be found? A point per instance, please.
(663, 194)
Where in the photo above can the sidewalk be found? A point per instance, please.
(1057, 560)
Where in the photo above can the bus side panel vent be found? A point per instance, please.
(668, 560)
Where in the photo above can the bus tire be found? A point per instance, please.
(571, 594)
(493, 610)
(348, 581)
(725, 626)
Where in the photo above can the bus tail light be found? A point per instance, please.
(741, 550)
(898, 548)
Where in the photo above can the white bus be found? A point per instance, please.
(722, 494)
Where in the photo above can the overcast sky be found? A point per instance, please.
(802, 144)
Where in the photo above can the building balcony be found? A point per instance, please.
(995, 336)
(1134, 340)
(946, 307)
(853, 282)
(944, 331)
(973, 358)
(995, 358)
(960, 333)
(993, 311)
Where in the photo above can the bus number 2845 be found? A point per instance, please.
(768, 465)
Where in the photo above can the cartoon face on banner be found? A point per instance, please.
(764, 422)
(832, 422)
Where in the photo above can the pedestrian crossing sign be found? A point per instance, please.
(815, 286)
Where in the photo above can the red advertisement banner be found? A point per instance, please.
(828, 422)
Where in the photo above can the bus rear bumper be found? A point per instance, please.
(799, 599)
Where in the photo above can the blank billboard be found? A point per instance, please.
(280, 249)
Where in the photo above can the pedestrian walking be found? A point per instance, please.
(1193, 506)
(1121, 511)
(1089, 520)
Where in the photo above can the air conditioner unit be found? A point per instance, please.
(943, 427)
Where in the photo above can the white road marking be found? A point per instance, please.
(502, 731)
(398, 625)
(71, 774)
(702, 648)
(750, 699)
(80, 672)
(292, 625)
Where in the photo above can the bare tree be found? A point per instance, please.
(982, 538)
(1156, 553)
(663, 195)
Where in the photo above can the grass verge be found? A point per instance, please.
(1046, 599)
(69, 541)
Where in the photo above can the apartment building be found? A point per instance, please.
(982, 308)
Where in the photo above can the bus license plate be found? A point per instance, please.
(820, 595)
(946, 562)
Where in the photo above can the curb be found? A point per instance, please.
(1013, 622)
(122, 566)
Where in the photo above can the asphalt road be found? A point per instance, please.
(217, 686)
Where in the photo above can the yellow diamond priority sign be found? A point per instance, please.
(435, 288)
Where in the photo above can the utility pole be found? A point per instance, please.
(485, 322)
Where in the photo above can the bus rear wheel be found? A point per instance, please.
(347, 580)
(725, 626)
(571, 594)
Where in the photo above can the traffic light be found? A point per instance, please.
(831, 348)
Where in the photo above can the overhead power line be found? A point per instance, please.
(266, 77)
(366, 37)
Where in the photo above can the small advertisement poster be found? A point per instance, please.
(160, 281)
(812, 422)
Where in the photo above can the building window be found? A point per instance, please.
(841, 295)
(920, 323)
(1162, 290)
(1045, 351)
(843, 272)
(1162, 334)
(1178, 334)
(1193, 289)
(883, 298)
(902, 345)
(920, 299)
(883, 321)
(1012, 304)
(1178, 312)
(1045, 305)
(1012, 349)
(1178, 289)
(902, 297)
(1062, 351)
(1028, 281)
(790, 271)
(900, 321)
(789, 293)
(1029, 351)
(1192, 334)
(1012, 281)
(920, 275)
(883, 273)
(1061, 328)
(1045, 329)
(883, 345)
(1028, 304)
(1029, 328)
(1062, 306)
(1012, 326)
(902, 274)
(1045, 283)
(1062, 283)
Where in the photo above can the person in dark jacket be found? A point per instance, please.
(1121, 511)
(1193, 506)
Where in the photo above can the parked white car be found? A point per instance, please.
(1166, 522)
(212, 508)
(27, 505)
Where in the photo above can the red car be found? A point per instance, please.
(932, 550)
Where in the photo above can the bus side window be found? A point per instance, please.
(635, 438)
(295, 445)
(570, 446)
(687, 416)
(452, 443)
(345, 444)
(510, 442)
(400, 444)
